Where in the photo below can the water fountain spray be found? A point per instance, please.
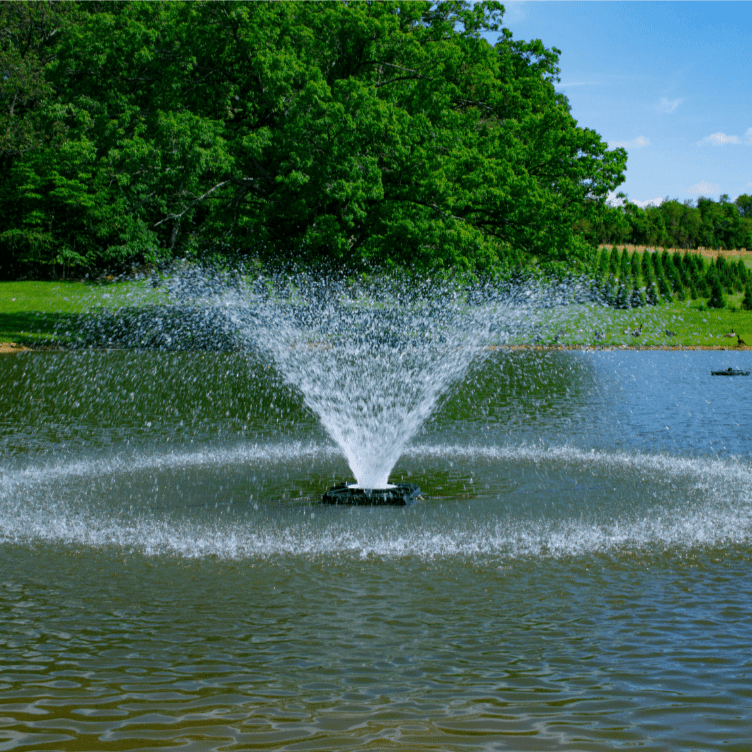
(372, 358)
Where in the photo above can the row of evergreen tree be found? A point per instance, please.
(632, 280)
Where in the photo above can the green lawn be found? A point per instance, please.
(673, 325)
(39, 313)
(35, 313)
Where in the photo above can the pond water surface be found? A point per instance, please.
(578, 577)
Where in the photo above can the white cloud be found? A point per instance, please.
(566, 84)
(705, 189)
(612, 200)
(635, 143)
(649, 202)
(668, 105)
(721, 139)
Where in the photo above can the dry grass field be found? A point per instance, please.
(710, 253)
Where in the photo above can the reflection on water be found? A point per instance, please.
(578, 578)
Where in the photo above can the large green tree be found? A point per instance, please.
(391, 133)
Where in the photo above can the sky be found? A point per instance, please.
(671, 82)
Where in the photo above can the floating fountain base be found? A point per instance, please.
(400, 495)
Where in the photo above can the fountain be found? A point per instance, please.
(372, 358)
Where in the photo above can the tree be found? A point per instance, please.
(335, 133)
(717, 296)
(747, 300)
(744, 205)
(635, 266)
(651, 294)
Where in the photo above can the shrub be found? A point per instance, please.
(717, 296)
(747, 301)
(635, 266)
(613, 260)
(623, 294)
(651, 294)
(677, 283)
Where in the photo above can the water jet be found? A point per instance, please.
(372, 358)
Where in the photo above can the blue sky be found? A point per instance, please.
(669, 81)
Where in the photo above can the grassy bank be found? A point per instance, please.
(43, 313)
(37, 314)
(666, 325)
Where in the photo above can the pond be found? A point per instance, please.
(577, 577)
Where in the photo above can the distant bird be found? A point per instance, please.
(637, 332)
(599, 335)
(730, 334)
(669, 333)
(740, 341)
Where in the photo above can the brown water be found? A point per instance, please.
(579, 578)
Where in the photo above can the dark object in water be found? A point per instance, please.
(730, 372)
(401, 495)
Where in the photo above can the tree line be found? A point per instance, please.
(351, 134)
(722, 224)
(632, 280)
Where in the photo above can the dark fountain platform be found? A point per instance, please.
(401, 495)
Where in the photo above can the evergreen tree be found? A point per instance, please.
(724, 274)
(624, 264)
(610, 291)
(597, 264)
(677, 283)
(613, 261)
(667, 262)
(635, 266)
(717, 296)
(740, 274)
(657, 264)
(682, 264)
(691, 267)
(665, 289)
(623, 293)
(703, 288)
(747, 301)
(651, 294)
(648, 271)
(637, 298)
(605, 261)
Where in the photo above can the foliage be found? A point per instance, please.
(622, 279)
(358, 134)
(747, 301)
(708, 224)
(717, 296)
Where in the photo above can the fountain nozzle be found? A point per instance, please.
(399, 495)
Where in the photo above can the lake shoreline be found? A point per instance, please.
(10, 348)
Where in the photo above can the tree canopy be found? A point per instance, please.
(373, 133)
(706, 223)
